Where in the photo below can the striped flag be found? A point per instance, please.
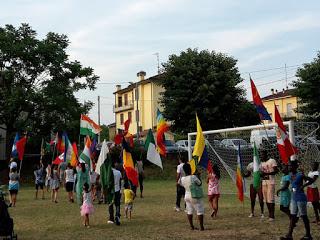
(88, 126)
(85, 155)
(256, 168)
(239, 179)
(162, 127)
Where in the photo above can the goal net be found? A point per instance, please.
(222, 146)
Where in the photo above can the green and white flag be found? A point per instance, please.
(88, 126)
(152, 153)
(256, 168)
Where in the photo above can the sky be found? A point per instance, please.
(120, 38)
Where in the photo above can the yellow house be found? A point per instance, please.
(285, 101)
(139, 102)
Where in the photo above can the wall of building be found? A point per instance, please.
(282, 103)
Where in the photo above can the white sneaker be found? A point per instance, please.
(251, 215)
(262, 216)
(177, 209)
(110, 222)
(271, 220)
(185, 211)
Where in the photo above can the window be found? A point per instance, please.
(121, 118)
(119, 101)
(289, 109)
(126, 99)
(129, 115)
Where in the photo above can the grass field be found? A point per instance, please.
(153, 218)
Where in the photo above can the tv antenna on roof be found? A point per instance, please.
(157, 54)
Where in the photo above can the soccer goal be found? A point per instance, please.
(222, 146)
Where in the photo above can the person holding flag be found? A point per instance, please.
(14, 178)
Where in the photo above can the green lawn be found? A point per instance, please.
(153, 218)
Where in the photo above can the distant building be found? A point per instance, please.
(139, 102)
(285, 101)
(112, 131)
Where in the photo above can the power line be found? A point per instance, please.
(271, 69)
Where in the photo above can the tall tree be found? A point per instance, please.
(307, 89)
(206, 83)
(38, 82)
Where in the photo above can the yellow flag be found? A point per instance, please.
(198, 147)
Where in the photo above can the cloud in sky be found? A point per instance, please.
(119, 38)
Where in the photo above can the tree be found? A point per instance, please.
(104, 133)
(206, 83)
(307, 89)
(38, 82)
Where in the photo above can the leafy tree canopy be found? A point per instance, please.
(308, 90)
(38, 82)
(206, 83)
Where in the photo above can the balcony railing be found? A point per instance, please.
(117, 108)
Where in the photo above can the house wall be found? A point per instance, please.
(282, 103)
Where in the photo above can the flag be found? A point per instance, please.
(60, 144)
(128, 164)
(59, 159)
(162, 127)
(239, 179)
(14, 152)
(20, 147)
(85, 155)
(200, 154)
(74, 155)
(126, 126)
(93, 149)
(102, 156)
(107, 179)
(256, 168)
(152, 153)
(88, 126)
(286, 149)
(68, 148)
(262, 111)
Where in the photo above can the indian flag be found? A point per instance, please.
(85, 155)
(88, 126)
(256, 168)
(152, 153)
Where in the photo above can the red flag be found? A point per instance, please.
(20, 147)
(286, 149)
(118, 139)
(126, 126)
(59, 159)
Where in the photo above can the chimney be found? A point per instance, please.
(272, 91)
(283, 90)
(141, 75)
(276, 91)
(118, 87)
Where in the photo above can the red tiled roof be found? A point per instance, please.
(281, 94)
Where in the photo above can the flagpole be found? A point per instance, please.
(41, 150)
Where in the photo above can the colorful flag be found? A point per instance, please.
(107, 179)
(286, 149)
(128, 164)
(152, 153)
(262, 111)
(59, 159)
(162, 127)
(256, 168)
(20, 147)
(68, 148)
(14, 152)
(239, 179)
(200, 154)
(126, 126)
(102, 156)
(74, 155)
(85, 155)
(60, 144)
(88, 126)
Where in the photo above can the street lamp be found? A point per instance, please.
(137, 110)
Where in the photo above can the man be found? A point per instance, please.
(117, 197)
(269, 168)
(180, 188)
(139, 168)
(254, 192)
(298, 204)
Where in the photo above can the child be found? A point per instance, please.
(87, 208)
(69, 178)
(313, 193)
(213, 188)
(128, 200)
(55, 183)
(48, 177)
(39, 179)
(284, 191)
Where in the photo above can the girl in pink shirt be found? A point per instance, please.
(213, 188)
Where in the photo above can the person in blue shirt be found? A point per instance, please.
(298, 203)
(284, 191)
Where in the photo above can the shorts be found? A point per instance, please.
(268, 191)
(194, 204)
(39, 185)
(212, 196)
(312, 194)
(69, 186)
(13, 191)
(128, 206)
(298, 208)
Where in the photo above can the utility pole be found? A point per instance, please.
(137, 111)
(285, 68)
(99, 117)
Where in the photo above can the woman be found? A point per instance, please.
(213, 188)
(82, 177)
(13, 186)
(192, 203)
(55, 183)
(69, 178)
